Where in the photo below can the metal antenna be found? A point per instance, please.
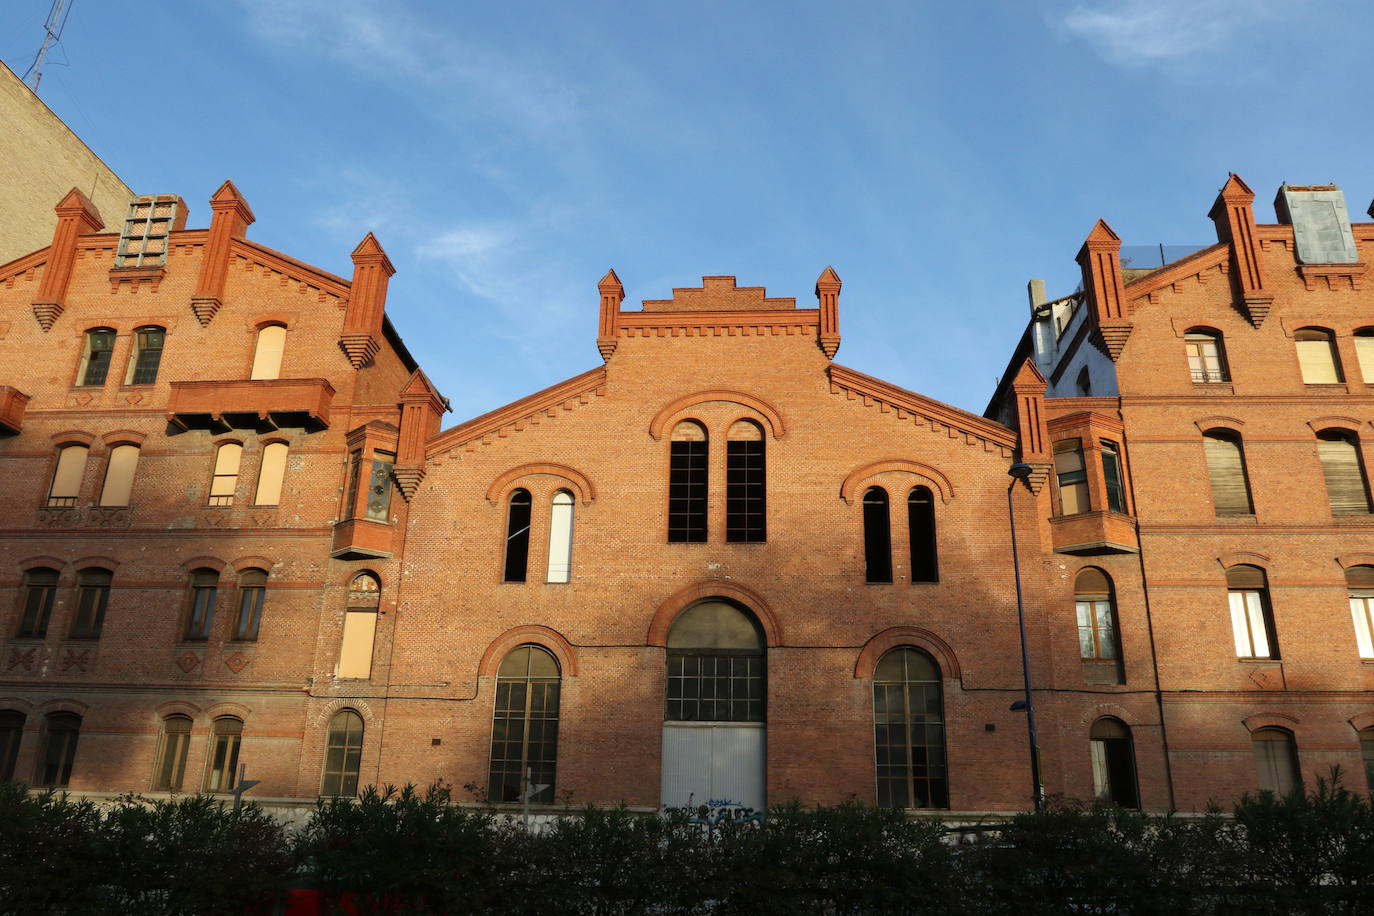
(57, 21)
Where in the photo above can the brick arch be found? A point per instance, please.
(1361, 722)
(580, 483)
(73, 437)
(104, 563)
(891, 638)
(773, 419)
(123, 437)
(1348, 560)
(680, 600)
(529, 634)
(924, 471)
(17, 704)
(1349, 424)
(42, 562)
(283, 319)
(1245, 558)
(1270, 720)
(204, 563)
(62, 704)
(227, 708)
(1204, 424)
(244, 563)
(357, 704)
(177, 708)
(1108, 711)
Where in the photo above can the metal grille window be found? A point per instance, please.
(40, 591)
(252, 596)
(95, 363)
(171, 761)
(920, 516)
(1206, 358)
(11, 733)
(225, 479)
(343, 756)
(1226, 468)
(715, 666)
(1113, 758)
(147, 228)
(909, 731)
(1339, 451)
(687, 484)
(147, 355)
(524, 728)
(92, 596)
(1252, 625)
(204, 588)
(1276, 759)
(745, 484)
(1111, 475)
(877, 536)
(223, 763)
(61, 729)
(67, 476)
(1071, 477)
(1359, 582)
(517, 537)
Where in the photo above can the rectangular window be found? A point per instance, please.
(1111, 473)
(355, 654)
(225, 479)
(66, 478)
(203, 592)
(40, 591)
(744, 491)
(271, 474)
(92, 597)
(1072, 478)
(99, 350)
(147, 228)
(220, 773)
(252, 594)
(715, 688)
(1362, 611)
(1250, 624)
(379, 487)
(1226, 468)
(1096, 630)
(147, 356)
(355, 466)
(687, 492)
(1317, 358)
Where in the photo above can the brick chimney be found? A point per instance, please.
(76, 216)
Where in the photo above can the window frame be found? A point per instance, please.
(908, 720)
(169, 770)
(346, 775)
(689, 481)
(923, 535)
(68, 475)
(1195, 345)
(1219, 466)
(877, 536)
(1072, 480)
(139, 362)
(266, 362)
(1359, 587)
(92, 372)
(746, 483)
(1308, 358)
(202, 598)
(64, 728)
(515, 553)
(223, 480)
(1251, 613)
(520, 706)
(12, 723)
(223, 756)
(562, 525)
(358, 642)
(121, 472)
(1125, 791)
(1347, 487)
(1269, 737)
(36, 602)
(92, 601)
(252, 600)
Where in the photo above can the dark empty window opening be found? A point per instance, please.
(920, 511)
(40, 591)
(877, 536)
(745, 484)
(92, 595)
(1113, 759)
(517, 537)
(687, 484)
(61, 730)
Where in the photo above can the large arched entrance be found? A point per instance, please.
(714, 732)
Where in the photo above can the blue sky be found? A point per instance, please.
(937, 154)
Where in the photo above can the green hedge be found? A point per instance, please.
(407, 851)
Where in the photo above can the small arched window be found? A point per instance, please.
(1071, 477)
(1317, 357)
(171, 758)
(271, 473)
(1226, 468)
(560, 537)
(1359, 581)
(67, 475)
(1206, 356)
(1252, 622)
(524, 728)
(909, 731)
(267, 353)
(1276, 759)
(687, 483)
(343, 755)
(1113, 755)
(95, 358)
(40, 592)
(119, 476)
(201, 612)
(517, 536)
(225, 479)
(1364, 352)
(1339, 451)
(360, 626)
(745, 484)
(92, 597)
(60, 731)
(221, 769)
(11, 733)
(877, 536)
(148, 344)
(1098, 640)
(252, 596)
(920, 513)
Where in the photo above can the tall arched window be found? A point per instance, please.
(1226, 468)
(560, 537)
(360, 626)
(745, 483)
(524, 728)
(909, 731)
(687, 483)
(60, 731)
(201, 613)
(225, 479)
(171, 757)
(1252, 622)
(517, 536)
(920, 514)
(1071, 477)
(119, 476)
(1339, 451)
(11, 734)
(343, 755)
(1098, 642)
(221, 768)
(1359, 581)
(271, 473)
(877, 536)
(40, 592)
(1276, 759)
(67, 475)
(92, 597)
(252, 596)
(95, 359)
(1206, 356)
(267, 353)
(1317, 357)
(1113, 755)
(1364, 352)
(148, 344)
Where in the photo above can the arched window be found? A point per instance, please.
(119, 476)
(560, 537)
(252, 596)
(1276, 758)
(343, 755)
(221, 770)
(1206, 356)
(40, 591)
(920, 514)
(171, 757)
(1071, 477)
(745, 483)
(60, 731)
(201, 612)
(92, 597)
(1367, 753)
(517, 536)
(715, 666)
(1252, 622)
(1317, 357)
(271, 473)
(67, 475)
(1226, 467)
(1339, 451)
(95, 358)
(1364, 352)
(147, 355)
(524, 727)
(1098, 642)
(267, 354)
(877, 536)
(687, 484)
(225, 479)
(360, 626)
(1113, 756)
(11, 734)
(909, 731)
(1359, 581)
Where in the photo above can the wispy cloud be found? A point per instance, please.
(1141, 33)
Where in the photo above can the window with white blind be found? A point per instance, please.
(560, 537)
(1364, 352)
(1339, 451)
(1276, 759)
(271, 474)
(1071, 477)
(1317, 356)
(1252, 625)
(267, 354)
(1226, 467)
(1359, 581)
(225, 478)
(66, 476)
(119, 476)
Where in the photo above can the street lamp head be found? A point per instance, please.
(1020, 470)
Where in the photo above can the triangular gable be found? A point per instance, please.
(514, 416)
(908, 405)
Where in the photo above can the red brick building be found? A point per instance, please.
(719, 565)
